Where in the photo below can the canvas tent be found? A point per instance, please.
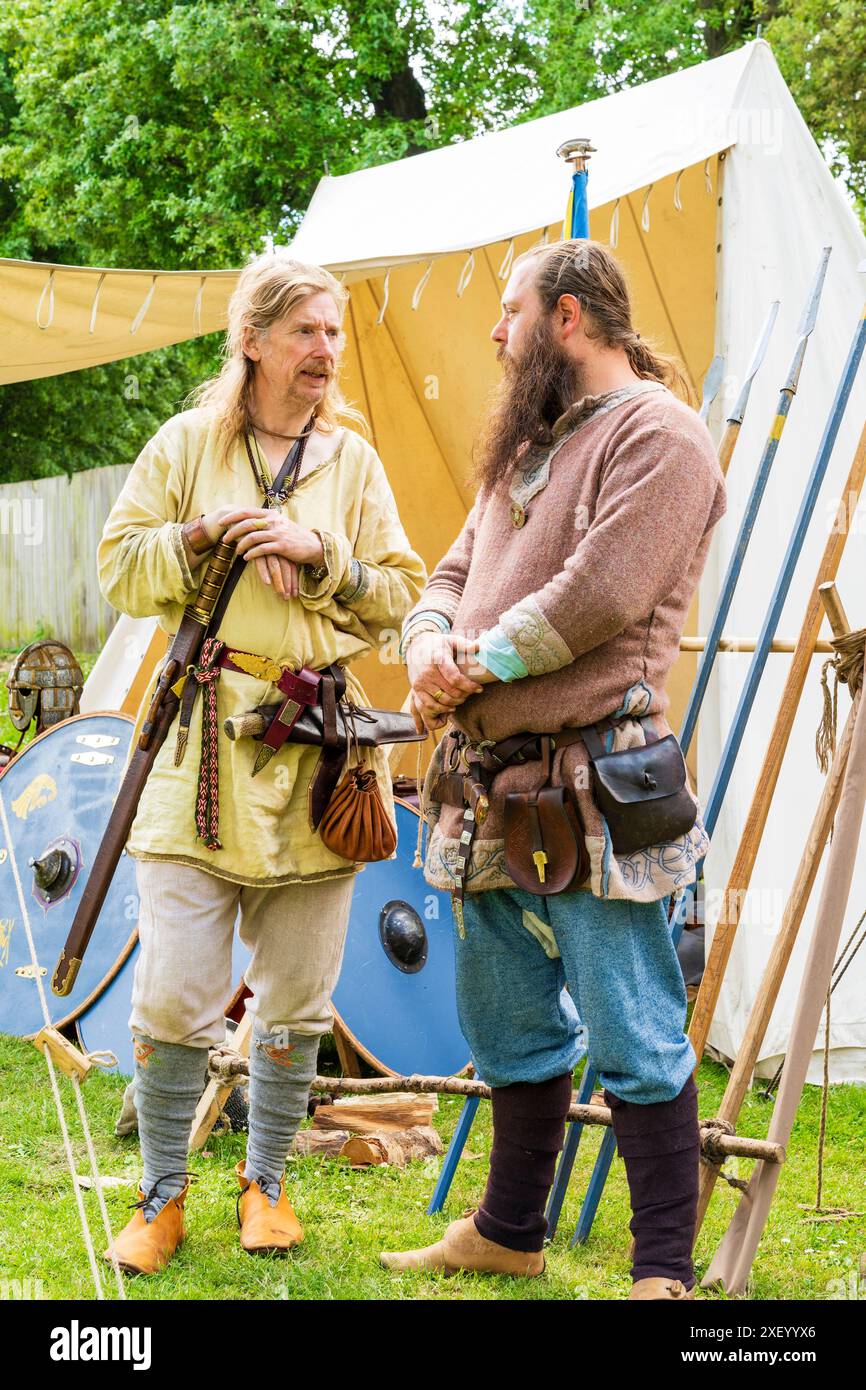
(717, 201)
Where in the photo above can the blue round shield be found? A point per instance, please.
(395, 998)
(57, 796)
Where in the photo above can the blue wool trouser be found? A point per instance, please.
(625, 997)
(626, 1006)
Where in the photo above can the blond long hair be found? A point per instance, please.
(587, 270)
(268, 289)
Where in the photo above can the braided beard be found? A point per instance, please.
(536, 389)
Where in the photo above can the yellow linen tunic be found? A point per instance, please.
(143, 570)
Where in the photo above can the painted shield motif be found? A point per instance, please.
(57, 796)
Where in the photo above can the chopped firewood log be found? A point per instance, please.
(394, 1147)
(375, 1114)
(320, 1141)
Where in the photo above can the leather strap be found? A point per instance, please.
(592, 735)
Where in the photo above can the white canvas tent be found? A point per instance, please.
(718, 201)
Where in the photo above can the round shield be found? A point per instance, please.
(104, 1026)
(395, 999)
(58, 795)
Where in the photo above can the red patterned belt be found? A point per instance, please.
(299, 689)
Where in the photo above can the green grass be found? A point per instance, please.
(349, 1216)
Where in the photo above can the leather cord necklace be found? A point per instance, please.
(273, 495)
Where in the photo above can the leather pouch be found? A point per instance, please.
(545, 851)
(356, 824)
(642, 792)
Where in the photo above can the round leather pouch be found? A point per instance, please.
(356, 825)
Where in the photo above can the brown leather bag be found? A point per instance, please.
(545, 851)
(356, 825)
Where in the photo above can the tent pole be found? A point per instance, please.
(576, 153)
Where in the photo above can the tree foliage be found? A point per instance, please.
(187, 133)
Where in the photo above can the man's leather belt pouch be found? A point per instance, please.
(545, 851)
(641, 792)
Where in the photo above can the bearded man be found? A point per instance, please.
(329, 571)
(558, 610)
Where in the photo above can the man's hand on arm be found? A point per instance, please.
(276, 544)
(443, 673)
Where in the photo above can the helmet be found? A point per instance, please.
(45, 683)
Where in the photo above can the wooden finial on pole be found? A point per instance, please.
(829, 596)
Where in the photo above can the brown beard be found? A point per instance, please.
(536, 389)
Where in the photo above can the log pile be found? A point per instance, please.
(371, 1130)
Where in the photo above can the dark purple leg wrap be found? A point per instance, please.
(660, 1146)
(528, 1130)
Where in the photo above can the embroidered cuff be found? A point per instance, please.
(321, 582)
(501, 656)
(430, 619)
(357, 584)
(537, 643)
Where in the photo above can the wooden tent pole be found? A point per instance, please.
(741, 872)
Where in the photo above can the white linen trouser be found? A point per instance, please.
(183, 979)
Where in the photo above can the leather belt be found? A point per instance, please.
(299, 689)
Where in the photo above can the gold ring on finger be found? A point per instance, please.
(439, 695)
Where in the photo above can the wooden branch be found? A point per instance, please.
(460, 1086)
(748, 644)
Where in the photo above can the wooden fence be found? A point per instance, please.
(49, 531)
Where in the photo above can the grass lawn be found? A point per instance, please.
(350, 1215)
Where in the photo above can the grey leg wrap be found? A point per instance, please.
(169, 1081)
(282, 1065)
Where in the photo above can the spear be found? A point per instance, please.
(735, 419)
(712, 382)
(747, 525)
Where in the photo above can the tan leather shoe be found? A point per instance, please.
(265, 1229)
(145, 1247)
(661, 1289)
(462, 1246)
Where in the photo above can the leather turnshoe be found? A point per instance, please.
(145, 1247)
(265, 1229)
(462, 1246)
(661, 1289)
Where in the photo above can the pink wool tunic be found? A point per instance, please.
(588, 555)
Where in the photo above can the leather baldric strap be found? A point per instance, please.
(333, 755)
